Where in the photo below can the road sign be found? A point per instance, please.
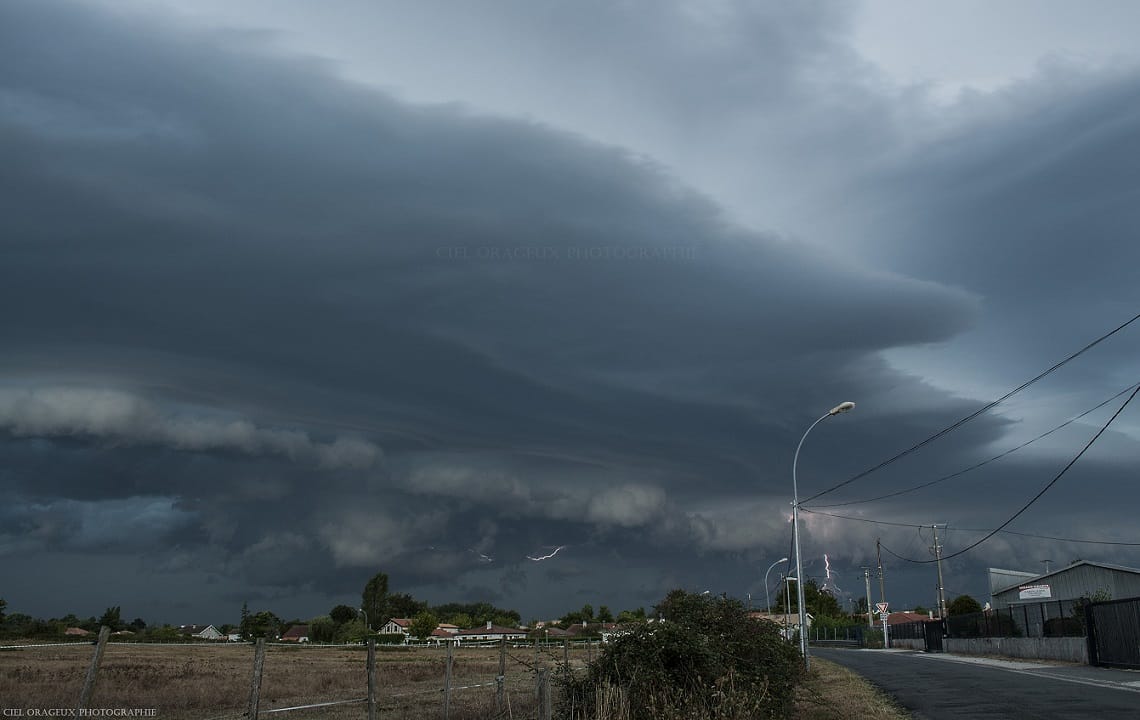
(884, 616)
(882, 608)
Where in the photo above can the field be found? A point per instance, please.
(212, 682)
(203, 682)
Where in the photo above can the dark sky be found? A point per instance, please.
(275, 319)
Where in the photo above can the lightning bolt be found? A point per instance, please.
(546, 557)
(828, 564)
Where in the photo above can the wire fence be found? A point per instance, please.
(204, 681)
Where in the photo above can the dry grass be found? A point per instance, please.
(209, 681)
(833, 692)
(204, 682)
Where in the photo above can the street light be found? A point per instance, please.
(365, 614)
(840, 408)
(766, 594)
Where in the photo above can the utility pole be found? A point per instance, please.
(879, 555)
(867, 583)
(1046, 565)
(938, 561)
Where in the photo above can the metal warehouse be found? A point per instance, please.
(1081, 579)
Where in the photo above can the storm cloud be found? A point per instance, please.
(301, 329)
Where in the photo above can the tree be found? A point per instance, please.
(631, 616)
(322, 629)
(423, 625)
(3, 605)
(138, 625)
(374, 600)
(111, 618)
(587, 612)
(461, 620)
(351, 631)
(403, 605)
(819, 603)
(604, 615)
(963, 605)
(920, 610)
(343, 613)
(263, 624)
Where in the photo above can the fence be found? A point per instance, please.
(1053, 619)
(851, 634)
(222, 681)
(1114, 633)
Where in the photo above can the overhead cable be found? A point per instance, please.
(974, 414)
(927, 484)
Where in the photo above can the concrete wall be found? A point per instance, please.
(908, 643)
(1071, 649)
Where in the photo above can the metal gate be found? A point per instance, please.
(1114, 633)
(933, 631)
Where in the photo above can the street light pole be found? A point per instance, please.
(840, 408)
(365, 614)
(766, 593)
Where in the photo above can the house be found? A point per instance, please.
(397, 626)
(297, 634)
(490, 632)
(76, 631)
(234, 636)
(900, 618)
(204, 632)
(789, 624)
(449, 628)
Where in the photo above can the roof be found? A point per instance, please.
(1034, 579)
(297, 631)
(402, 622)
(493, 630)
(193, 629)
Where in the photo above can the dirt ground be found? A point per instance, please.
(208, 681)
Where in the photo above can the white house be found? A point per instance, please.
(397, 626)
(206, 632)
(491, 632)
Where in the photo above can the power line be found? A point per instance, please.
(1036, 497)
(974, 414)
(980, 530)
(927, 484)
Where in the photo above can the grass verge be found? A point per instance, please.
(832, 692)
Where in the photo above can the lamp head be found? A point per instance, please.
(841, 408)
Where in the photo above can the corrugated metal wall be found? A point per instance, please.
(1081, 580)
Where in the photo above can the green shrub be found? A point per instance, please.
(707, 660)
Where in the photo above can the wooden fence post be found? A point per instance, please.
(371, 678)
(501, 678)
(447, 684)
(255, 681)
(544, 694)
(93, 670)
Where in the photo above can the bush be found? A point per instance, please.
(707, 660)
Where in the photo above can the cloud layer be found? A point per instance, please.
(309, 330)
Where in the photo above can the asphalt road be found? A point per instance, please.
(953, 687)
